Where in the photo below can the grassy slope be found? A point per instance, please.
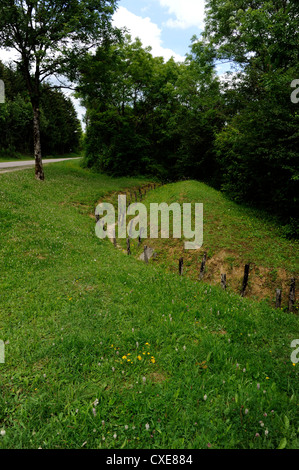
(233, 236)
(72, 307)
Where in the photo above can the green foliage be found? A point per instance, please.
(140, 110)
(257, 149)
(60, 127)
(180, 120)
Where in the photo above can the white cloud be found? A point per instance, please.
(7, 56)
(148, 32)
(187, 13)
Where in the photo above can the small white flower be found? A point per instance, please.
(94, 412)
(126, 426)
(205, 397)
(2, 432)
(132, 330)
(96, 402)
(147, 426)
(113, 369)
(115, 436)
(266, 432)
(246, 411)
(103, 423)
(184, 348)
(144, 379)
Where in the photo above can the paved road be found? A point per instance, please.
(10, 166)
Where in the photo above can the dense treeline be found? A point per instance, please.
(60, 127)
(181, 120)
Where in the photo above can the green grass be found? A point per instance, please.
(72, 307)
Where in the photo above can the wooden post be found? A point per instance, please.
(292, 295)
(278, 298)
(145, 254)
(223, 281)
(245, 279)
(128, 246)
(203, 266)
(114, 241)
(181, 264)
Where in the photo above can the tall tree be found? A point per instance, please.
(48, 36)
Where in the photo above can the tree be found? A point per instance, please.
(129, 98)
(60, 128)
(257, 149)
(48, 36)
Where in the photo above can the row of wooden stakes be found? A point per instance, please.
(292, 296)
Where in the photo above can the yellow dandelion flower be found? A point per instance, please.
(139, 358)
(153, 360)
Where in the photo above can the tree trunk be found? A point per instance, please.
(39, 171)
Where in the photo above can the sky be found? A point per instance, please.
(165, 25)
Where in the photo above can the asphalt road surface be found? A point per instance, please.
(22, 165)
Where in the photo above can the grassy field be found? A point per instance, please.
(103, 351)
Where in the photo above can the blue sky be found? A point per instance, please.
(166, 25)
